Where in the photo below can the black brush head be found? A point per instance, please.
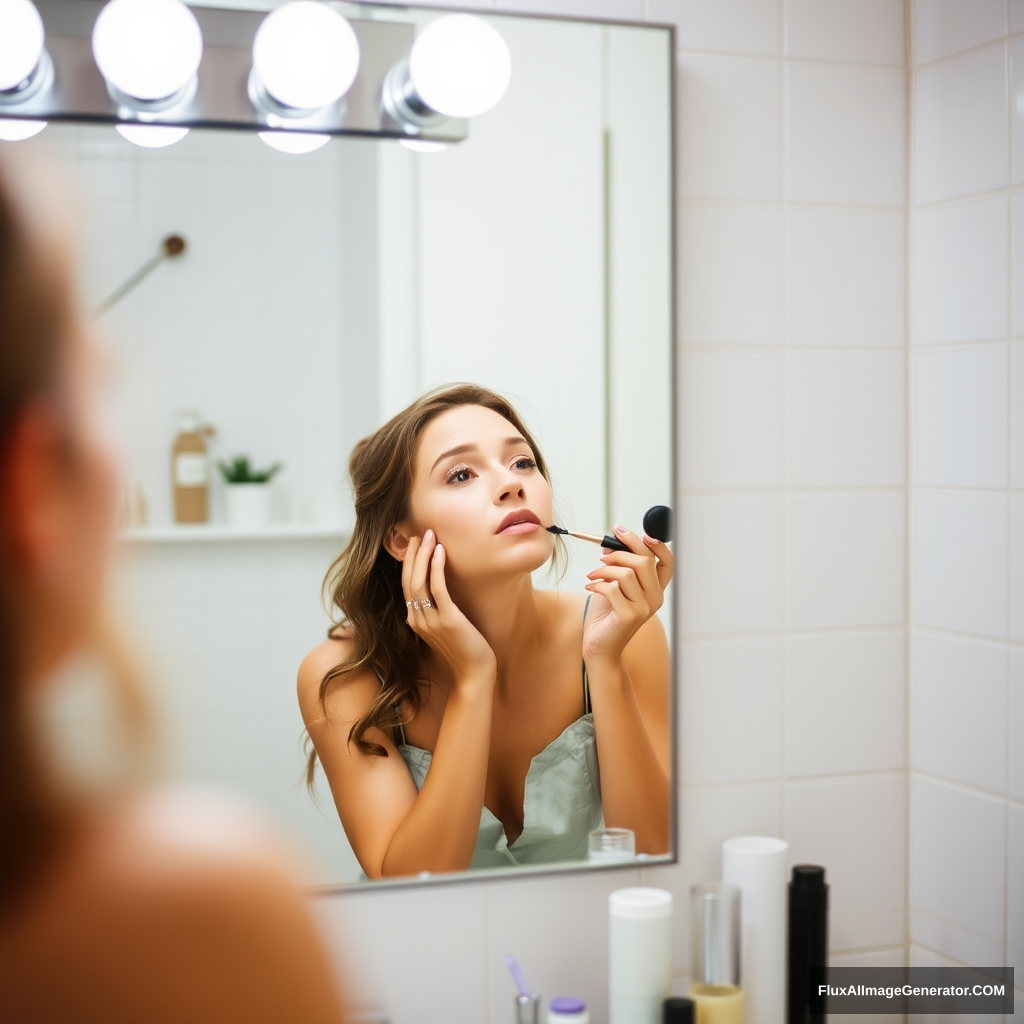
(556, 529)
(658, 522)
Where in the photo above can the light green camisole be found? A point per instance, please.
(562, 798)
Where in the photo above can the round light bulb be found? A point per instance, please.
(423, 145)
(306, 55)
(18, 131)
(296, 143)
(147, 49)
(151, 136)
(21, 42)
(460, 65)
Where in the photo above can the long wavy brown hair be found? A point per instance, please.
(35, 321)
(364, 583)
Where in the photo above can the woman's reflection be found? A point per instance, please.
(459, 713)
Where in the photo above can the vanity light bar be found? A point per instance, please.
(215, 78)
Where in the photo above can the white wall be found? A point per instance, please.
(967, 560)
(791, 203)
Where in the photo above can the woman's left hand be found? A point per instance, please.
(628, 589)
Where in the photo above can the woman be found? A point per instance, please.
(155, 906)
(457, 710)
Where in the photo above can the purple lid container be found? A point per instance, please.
(567, 1004)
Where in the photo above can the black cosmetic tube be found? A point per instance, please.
(808, 944)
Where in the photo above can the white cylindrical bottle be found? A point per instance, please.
(639, 954)
(757, 866)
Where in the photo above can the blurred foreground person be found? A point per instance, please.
(153, 905)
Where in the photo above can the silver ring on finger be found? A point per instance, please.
(416, 605)
(426, 602)
(408, 604)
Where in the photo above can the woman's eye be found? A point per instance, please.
(525, 463)
(458, 475)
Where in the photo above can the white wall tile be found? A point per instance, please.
(731, 724)
(728, 141)
(1016, 725)
(556, 929)
(1017, 263)
(961, 134)
(377, 942)
(1017, 415)
(846, 135)
(957, 857)
(960, 417)
(959, 561)
(1015, 890)
(844, 560)
(730, 275)
(855, 828)
(958, 710)
(844, 700)
(862, 31)
(728, 26)
(1017, 567)
(731, 564)
(844, 418)
(731, 412)
(1017, 15)
(942, 27)
(960, 272)
(1015, 99)
(960, 945)
(845, 278)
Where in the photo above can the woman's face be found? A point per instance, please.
(477, 486)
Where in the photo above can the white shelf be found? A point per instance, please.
(219, 533)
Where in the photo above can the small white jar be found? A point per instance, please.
(568, 1010)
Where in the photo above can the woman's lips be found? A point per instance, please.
(525, 527)
(522, 517)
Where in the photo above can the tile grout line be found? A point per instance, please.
(783, 170)
(908, 437)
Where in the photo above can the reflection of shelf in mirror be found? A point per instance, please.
(218, 533)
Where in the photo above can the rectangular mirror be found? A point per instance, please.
(317, 297)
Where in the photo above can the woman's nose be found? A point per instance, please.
(511, 489)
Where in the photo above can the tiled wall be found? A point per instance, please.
(791, 201)
(967, 568)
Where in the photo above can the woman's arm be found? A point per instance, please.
(393, 829)
(628, 663)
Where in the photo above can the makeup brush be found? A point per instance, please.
(657, 524)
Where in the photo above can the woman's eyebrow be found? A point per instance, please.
(462, 449)
(457, 450)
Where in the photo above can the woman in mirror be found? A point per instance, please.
(141, 904)
(463, 717)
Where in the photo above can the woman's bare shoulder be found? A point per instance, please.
(170, 890)
(351, 694)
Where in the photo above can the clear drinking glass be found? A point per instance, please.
(611, 846)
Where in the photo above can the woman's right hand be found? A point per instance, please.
(437, 618)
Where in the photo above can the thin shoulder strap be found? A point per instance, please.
(586, 680)
(398, 729)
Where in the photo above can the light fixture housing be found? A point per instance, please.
(305, 57)
(460, 65)
(149, 52)
(151, 136)
(25, 66)
(18, 131)
(295, 143)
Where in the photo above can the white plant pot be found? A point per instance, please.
(247, 505)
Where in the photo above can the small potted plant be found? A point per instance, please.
(247, 492)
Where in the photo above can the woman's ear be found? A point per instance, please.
(397, 542)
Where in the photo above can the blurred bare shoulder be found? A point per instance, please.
(173, 905)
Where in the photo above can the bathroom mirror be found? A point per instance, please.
(317, 296)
